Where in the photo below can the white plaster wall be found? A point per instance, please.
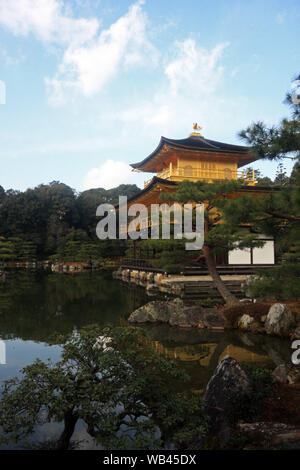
(264, 255)
(238, 256)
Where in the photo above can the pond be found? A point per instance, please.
(35, 306)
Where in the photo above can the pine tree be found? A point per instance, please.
(219, 235)
(281, 177)
(7, 252)
(279, 214)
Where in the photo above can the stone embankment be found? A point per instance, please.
(279, 320)
(196, 287)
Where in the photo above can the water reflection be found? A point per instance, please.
(200, 351)
(34, 306)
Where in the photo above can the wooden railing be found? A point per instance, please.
(189, 172)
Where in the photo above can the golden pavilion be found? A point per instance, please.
(196, 158)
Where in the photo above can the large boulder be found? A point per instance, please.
(175, 313)
(153, 312)
(213, 318)
(228, 385)
(186, 316)
(280, 321)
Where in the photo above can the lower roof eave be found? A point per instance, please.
(156, 180)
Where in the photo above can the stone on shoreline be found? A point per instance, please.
(154, 312)
(228, 383)
(280, 321)
(268, 433)
(245, 321)
(176, 313)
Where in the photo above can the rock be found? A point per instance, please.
(248, 323)
(143, 276)
(246, 285)
(280, 320)
(150, 278)
(293, 376)
(289, 436)
(213, 318)
(280, 374)
(186, 316)
(228, 383)
(176, 313)
(152, 289)
(264, 431)
(153, 312)
(173, 312)
(158, 278)
(246, 301)
(286, 373)
(296, 333)
(245, 321)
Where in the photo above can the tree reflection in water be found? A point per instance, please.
(36, 306)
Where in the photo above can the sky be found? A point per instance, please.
(92, 85)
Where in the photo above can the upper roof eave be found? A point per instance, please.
(197, 144)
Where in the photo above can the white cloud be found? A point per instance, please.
(195, 67)
(109, 175)
(189, 92)
(91, 58)
(49, 20)
(89, 67)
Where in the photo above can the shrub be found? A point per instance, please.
(256, 311)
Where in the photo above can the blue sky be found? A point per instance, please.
(92, 85)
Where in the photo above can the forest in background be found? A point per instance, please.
(53, 221)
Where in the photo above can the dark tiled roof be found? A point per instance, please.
(194, 143)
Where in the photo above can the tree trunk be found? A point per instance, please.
(229, 298)
(70, 421)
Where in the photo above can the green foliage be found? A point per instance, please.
(209, 302)
(281, 177)
(168, 255)
(249, 409)
(121, 389)
(223, 229)
(278, 214)
(6, 250)
(254, 310)
(279, 283)
(45, 219)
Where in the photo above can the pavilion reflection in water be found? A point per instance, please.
(203, 353)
